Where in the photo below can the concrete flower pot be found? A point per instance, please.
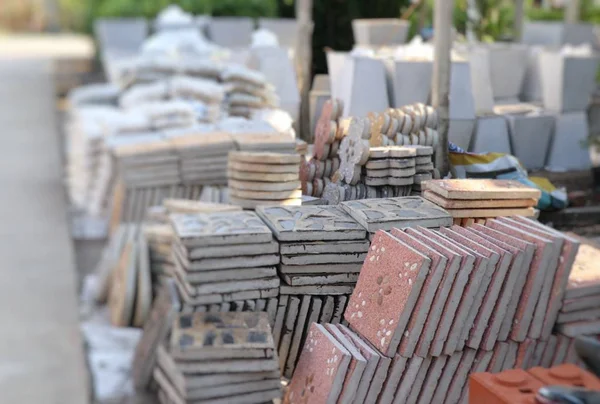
(461, 131)
(231, 32)
(491, 135)
(569, 150)
(410, 81)
(530, 136)
(462, 105)
(380, 31)
(508, 63)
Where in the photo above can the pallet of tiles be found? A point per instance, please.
(472, 200)
(322, 249)
(223, 257)
(441, 304)
(260, 178)
(218, 358)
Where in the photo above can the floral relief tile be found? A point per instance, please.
(320, 371)
(386, 292)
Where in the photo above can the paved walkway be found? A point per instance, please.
(41, 353)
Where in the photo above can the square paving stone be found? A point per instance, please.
(298, 331)
(396, 371)
(380, 282)
(481, 189)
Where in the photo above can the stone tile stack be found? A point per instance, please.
(223, 257)
(260, 178)
(474, 200)
(322, 249)
(442, 304)
(218, 357)
(247, 91)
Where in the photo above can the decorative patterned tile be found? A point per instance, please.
(387, 213)
(387, 290)
(311, 223)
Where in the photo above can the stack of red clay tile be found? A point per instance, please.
(520, 386)
(473, 200)
(438, 305)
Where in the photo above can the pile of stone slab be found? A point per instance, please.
(218, 358)
(472, 200)
(439, 305)
(224, 257)
(247, 90)
(259, 178)
(322, 249)
(580, 311)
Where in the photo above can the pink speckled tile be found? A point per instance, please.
(421, 311)
(461, 376)
(549, 351)
(560, 352)
(441, 390)
(431, 380)
(408, 379)
(528, 251)
(378, 378)
(511, 355)
(501, 309)
(482, 361)
(471, 301)
(557, 241)
(387, 290)
(396, 372)
(442, 300)
(321, 370)
(451, 315)
(566, 260)
(525, 353)
(572, 356)
(535, 280)
(417, 385)
(491, 297)
(371, 356)
(498, 355)
(356, 367)
(538, 353)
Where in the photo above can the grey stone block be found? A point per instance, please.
(232, 32)
(567, 81)
(380, 31)
(491, 135)
(530, 136)
(461, 131)
(569, 149)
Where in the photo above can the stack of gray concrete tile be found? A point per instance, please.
(247, 90)
(159, 237)
(218, 358)
(224, 257)
(442, 304)
(322, 249)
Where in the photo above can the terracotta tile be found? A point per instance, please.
(511, 386)
(566, 260)
(441, 390)
(409, 378)
(461, 375)
(453, 316)
(529, 250)
(481, 189)
(437, 322)
(422, 308)
(566, 375)
(371, 356)
(396, 371)
(477, 203)
(356, 367)
(501, 309)
(535, 280)
(525, 353)
(496, 280)
(432, 378)
(498, 356)
(369, 311)
(470, 302)
(321, 369)
(535, 331)
(511, 355)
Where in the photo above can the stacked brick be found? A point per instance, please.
(443, 304)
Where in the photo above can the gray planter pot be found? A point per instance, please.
(530, 138)
(569, 150)
(491, 135)
(380, 31)
(461, 131)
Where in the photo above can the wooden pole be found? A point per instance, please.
(518, 22)
(572, 11)
(304, 10)
(442, 36)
